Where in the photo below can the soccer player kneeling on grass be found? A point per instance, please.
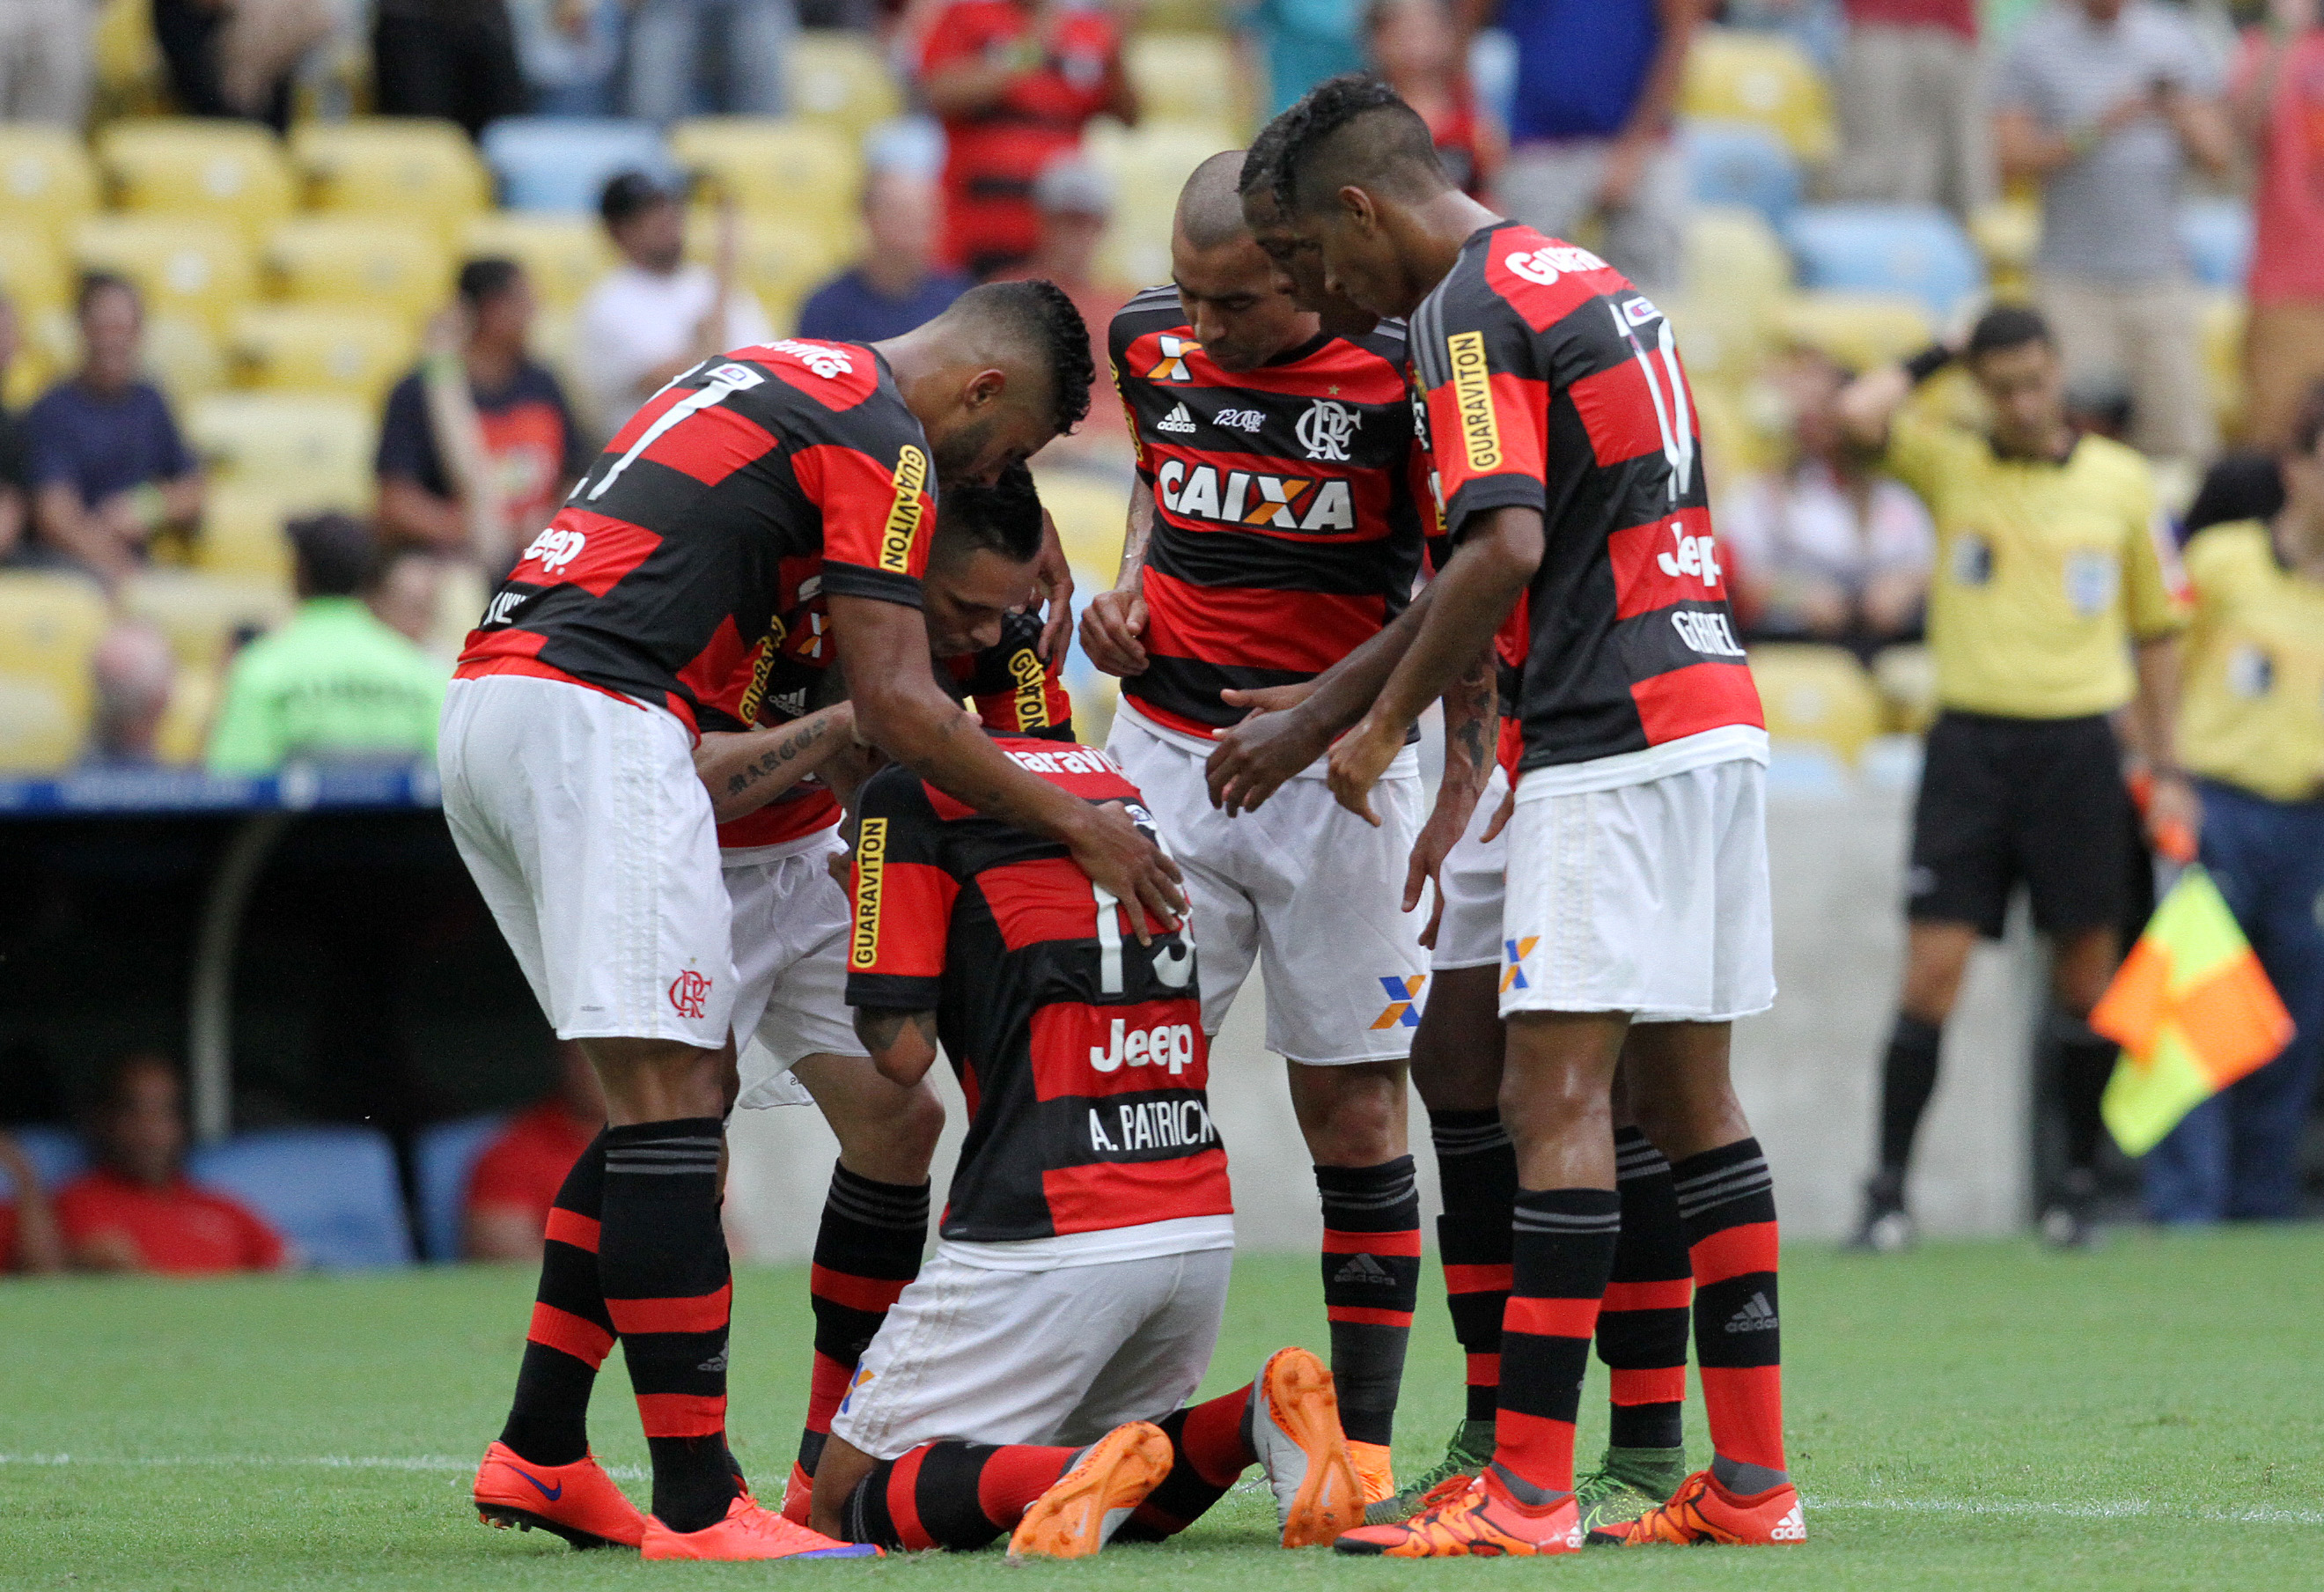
(1029, 1381)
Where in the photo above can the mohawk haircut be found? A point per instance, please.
(1004, 518)
(1039, 317)
(1353, 131)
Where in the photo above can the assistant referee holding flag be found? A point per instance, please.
(2051, 579)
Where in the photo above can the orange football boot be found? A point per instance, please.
(577, 1502)
(748, 1531)
(1296, 1428)
(1473, 1519)
(798, 1495)
(1701, 1511)
(1081, 1509)
(1374, 1469)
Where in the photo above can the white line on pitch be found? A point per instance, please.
(279, 1462)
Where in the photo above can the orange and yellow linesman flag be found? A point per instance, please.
(2192, 1011)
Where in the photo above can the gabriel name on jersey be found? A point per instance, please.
(1080, 1052)
(1287, 529)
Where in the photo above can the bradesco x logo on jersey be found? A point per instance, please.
(904, 514)
(871, 857)
(1472, 396)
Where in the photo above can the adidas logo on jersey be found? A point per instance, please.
(1278, 502)
(1756, 1316)
(1362, 1268)
(1792, 1528)
(1177, 420)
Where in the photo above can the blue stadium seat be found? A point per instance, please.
(563, 163)
(2218, 237)
(1914, 249)
(1740, 164)
(56, 1154)
(445, 1156)
(332, 1191)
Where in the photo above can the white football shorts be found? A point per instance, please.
(1474, 879)
(590, 837)
(1302, 887)
(790, 964)
(1649, 898)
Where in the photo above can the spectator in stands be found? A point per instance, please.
(521, 438)
(2253, 732)
(1597, 90)
(235, 59)
(899, 283)
(48, 59)
(1912, 128)
(15, 506)
(1298, 43)
(138, 1211)
(655, 314)
(2278, 101)
(29, 1241)
(1014, 82)
(517, 1178)
(1826, 548)
(1416, 48)
(134, 672)
(672, 40)
(404, 591)
(569, 50)
(106, 464)
(2102, 102)
(333, 682)
(453, 59)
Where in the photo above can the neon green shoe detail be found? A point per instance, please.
(1468, 1453)
(1627, 1483)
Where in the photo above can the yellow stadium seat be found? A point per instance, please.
(129, 67)
(242, 530)
(33, 271)
(1739, 76)
(359, 262)
(1860, 330)
(1906, 678)
(1737, 271)
(564, 255)
(807, 172)
(39, 731)
(199, 612)
(1817, 695)
(2220, 325)
(1189, 76)
(46, 179)
(183, 357)
(317, 446)
(233, 171)
(2007, 233)
(1734, 445)
(838, 77)
(181, 264)
(1090, 510)
(1150, 164)
(184, 731)
(49, 624)
(321, 349)
(777, 259)
(406, 168)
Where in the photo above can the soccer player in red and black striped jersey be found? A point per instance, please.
(1076, 1294)
(1564, 443)
(570, 788)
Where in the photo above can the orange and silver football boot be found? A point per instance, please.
(1374, 1469)
(1701, 1511)
(1295, 1429)
(1081, 1509)
(577, 1502)
(748, 1531)
(1475, 1519)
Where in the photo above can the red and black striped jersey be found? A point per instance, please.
(1287, 522)
(667, 563)
(1553, 384)
(1080, 1052)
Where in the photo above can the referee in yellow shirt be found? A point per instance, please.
(2252, 731)
(2050, 609)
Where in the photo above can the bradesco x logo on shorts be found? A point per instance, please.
(904, 514)
(1472, 395)
(871, 857)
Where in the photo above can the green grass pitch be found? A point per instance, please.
(1971, 1416)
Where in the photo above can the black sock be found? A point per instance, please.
(1726, 1202)
(866, 1251)
(571, 1334)
(1564, 1252)
(1642, 1328)
(1477, 1167)
(950, 1494)
(661, 1259)
(1908, 1076)
(2085, 1061)
(1371, 1281)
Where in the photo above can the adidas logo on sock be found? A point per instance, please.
(1177, 420)
(1756, 1316)
(1792, 1528)
(1363, 1268)
(715, 1363)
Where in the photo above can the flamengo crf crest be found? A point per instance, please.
(1326, 430)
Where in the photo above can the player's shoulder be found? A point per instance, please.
(805, 376)
(2223, 558)
(2116, 464)
(1149, 310)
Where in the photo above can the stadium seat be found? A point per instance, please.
(1088, 508)
(1906, 679)
(1740, 164)
(403, 168)
(184, 733)
(1859, 330)
(1818, 695)
(1886, 249)
(2007, 233)
(241, 531)
(445, 1155)
(776, 258)
(319, 348)
(332, 1191)
(1189, 76)
(2220, 325)
(183, 357)
(2217, 235)
(45, 177)
(50, 623)
(180, 263)
(199, 612)
(319, 447)
(1733, 75)
(359, 262)
(39, 733)
(1736, 274)
(130, 74)
(56, 1152)
(230, 170)
(563, 254)
(33, 271)
(564, 162)
(807, 172)
(838, 77)
(1150, 164)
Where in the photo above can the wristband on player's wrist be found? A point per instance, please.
(1930, 360)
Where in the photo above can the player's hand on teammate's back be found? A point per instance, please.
(1358, 760)
(1268, 746)
(1112, 628)
(1121, 858)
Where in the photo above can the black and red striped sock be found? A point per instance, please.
(661, 1260)
(1642, 1329)
(1210, 1449)
(1477, 1167)
(867, 1250)
(571, 1334)
(1561, 1253)
(1372, 1282)
(950, 1494)
(1727, 1201)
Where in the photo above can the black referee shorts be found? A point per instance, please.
(2040, 800)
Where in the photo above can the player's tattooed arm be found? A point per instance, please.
(903, 1044)
(746, 769)
(1114, 625)
(1471, 727)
